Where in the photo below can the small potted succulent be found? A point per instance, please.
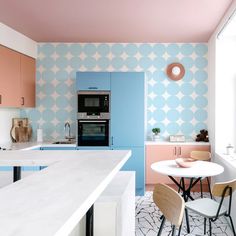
(156, 132)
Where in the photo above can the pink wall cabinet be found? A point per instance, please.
(156, 153)
(9, 78)
(17, 79)
(28, 69)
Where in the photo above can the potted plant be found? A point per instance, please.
(156, 132)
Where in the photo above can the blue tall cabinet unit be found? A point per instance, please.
(127, 120)
(127, 114)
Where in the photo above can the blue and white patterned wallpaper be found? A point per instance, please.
(177, 107)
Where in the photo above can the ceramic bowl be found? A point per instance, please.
(185, 162)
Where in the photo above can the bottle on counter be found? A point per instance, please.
(39, 134)
(229, 149)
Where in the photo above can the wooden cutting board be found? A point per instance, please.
(21, 130)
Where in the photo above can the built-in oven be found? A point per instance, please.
(93, 132)
(93, 102)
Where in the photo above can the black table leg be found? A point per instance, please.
(186, 192)
(16, 173)
(89, 222)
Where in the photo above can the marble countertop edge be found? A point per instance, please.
(57, 189)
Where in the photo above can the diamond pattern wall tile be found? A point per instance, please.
(177, 107)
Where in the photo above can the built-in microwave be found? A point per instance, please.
(93, 102)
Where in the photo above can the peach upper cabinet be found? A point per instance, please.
(17, 79)
(28, 68)
(9, 78)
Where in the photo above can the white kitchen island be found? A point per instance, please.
(53, 200)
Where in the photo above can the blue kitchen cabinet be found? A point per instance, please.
(30, 168)
(92, 148)
(136, 163)
(93, 81)
(127, 120)
(127, 109)
(6, 168)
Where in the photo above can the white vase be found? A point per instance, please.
(156, 137)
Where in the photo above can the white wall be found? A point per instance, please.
(221, 100)
(211, 91)
(17, 41)
(225, 100)
(216, 82)
(6, 116)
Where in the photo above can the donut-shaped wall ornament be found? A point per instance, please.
(175, 71)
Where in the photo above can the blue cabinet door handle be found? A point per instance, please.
(112, 140)
(92, 87)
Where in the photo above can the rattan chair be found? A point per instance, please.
(171, 204)
(211, 209)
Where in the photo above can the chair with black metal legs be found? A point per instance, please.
(211, 209)
(171, 204)
(202, 156)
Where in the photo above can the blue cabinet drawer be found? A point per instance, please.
(93, 81)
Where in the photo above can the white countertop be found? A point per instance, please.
(32, 145)
(176, 143)
(53, 200)
(230, 159)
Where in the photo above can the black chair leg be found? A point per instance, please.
(209, 186)
(161, 226)
(201, 187)
(173, 230)
(180, 183)
(210, 233)
(205, 225)
(187, 221)
(180, 227)
(232, 225)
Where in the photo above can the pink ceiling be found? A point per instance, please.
(114, 20)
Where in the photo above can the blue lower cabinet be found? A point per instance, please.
(6, 168)
(58, 148)
(93, 148)
(136, 163)
(30, 168)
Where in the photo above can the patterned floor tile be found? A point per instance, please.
(148, 220)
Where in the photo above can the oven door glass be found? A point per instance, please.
(93, 132)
